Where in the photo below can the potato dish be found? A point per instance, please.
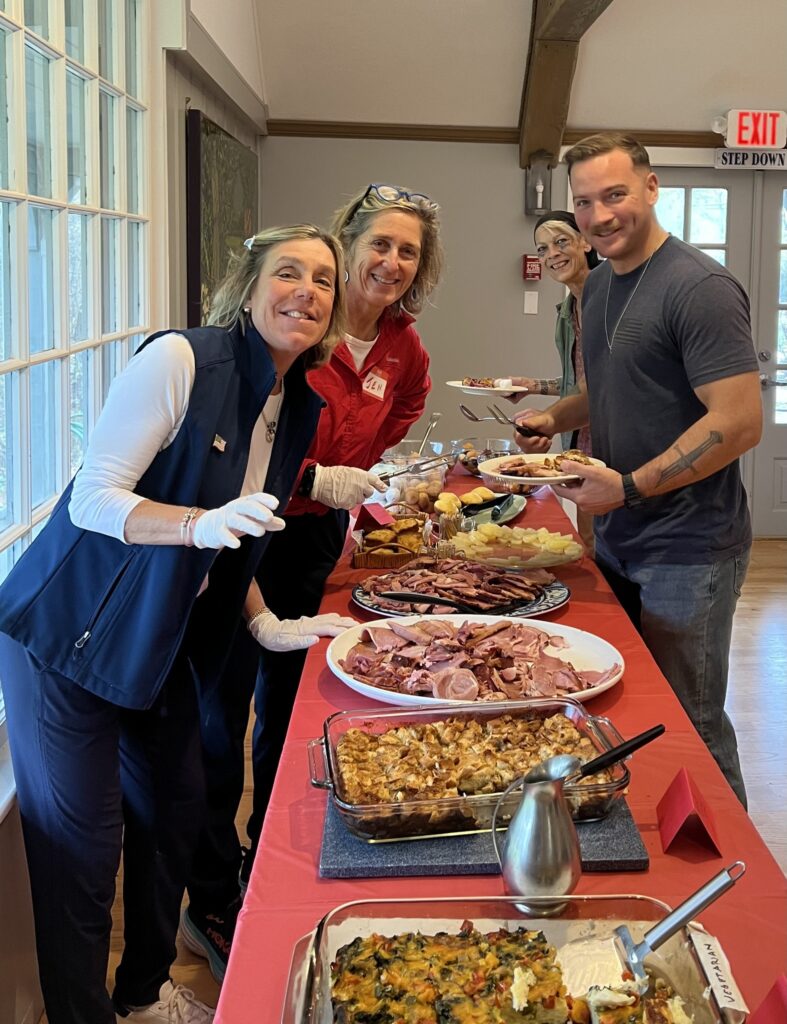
(517, 545)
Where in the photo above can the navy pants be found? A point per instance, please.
(292, 576)
(91, 778)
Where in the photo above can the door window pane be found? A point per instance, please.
(6, 335)
(37, 16)
(76, 88)
(136, 295)
(75, 29)
(133, 76)
(80, 366)
(781, 350)
(720, 255)
(782, 278)
(110, 299)
(134, 342)
(671, 210)
(708, 216)
(106, 39)
(78, 277)
(111, 364)
(39, 141)
(107, 130)
(40, 278)
(9, 390)
(4, 179)
(780, 399)
(44, 394)
(134, 159)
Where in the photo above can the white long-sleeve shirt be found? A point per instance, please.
(142, 415)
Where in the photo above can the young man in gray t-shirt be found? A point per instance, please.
(673, 399)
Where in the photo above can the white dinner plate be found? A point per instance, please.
(554, 596)
(515, 389)
(491, 469)
(587, 652)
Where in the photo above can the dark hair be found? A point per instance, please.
(606, 142)
(564, 217)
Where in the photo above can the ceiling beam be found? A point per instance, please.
(556, 28)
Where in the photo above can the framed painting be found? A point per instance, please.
(222, 195)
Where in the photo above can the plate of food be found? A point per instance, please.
(469, 658)
(542, 469)
(484, 586)
(518, 547)
(487, 386)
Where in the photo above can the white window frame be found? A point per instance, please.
(26, 518)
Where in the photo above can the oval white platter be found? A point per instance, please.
(468, 389)
(587, 652)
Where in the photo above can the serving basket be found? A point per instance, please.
(370, 558)
(415, 818)
(308, 995)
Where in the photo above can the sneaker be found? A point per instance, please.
(177, 1005)
(210, 935)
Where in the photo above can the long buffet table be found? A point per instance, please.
(286, 897)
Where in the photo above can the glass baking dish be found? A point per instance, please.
(452, 815)
(308, 996)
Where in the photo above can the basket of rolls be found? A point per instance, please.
(391, 546)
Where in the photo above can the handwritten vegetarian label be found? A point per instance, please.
(717, 970)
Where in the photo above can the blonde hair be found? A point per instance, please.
(244, 267)
(357, 216)
(606, 142)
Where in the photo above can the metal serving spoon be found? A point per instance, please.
(430, 427)
(469, 414)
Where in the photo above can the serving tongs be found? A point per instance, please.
(498, 504)
(509, 608)
(415, 467)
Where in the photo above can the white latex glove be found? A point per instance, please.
(344, 487)
(295, 634)
(222, 527)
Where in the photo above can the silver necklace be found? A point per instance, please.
(270, 425)
(611, 341)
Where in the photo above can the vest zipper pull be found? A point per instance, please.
(82, 640)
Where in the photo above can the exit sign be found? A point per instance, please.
(756, 129)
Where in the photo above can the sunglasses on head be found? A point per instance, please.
(392, 194)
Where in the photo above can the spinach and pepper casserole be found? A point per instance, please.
(502, 977)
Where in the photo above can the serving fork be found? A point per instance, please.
(477, 419)
(520, 428)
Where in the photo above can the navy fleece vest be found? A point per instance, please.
(111, 616)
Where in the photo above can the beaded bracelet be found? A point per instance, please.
(256, 615)
(187, 524)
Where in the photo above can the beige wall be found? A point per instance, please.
(476, 325)
(234, 27)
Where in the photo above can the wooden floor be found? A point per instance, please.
(757, 704)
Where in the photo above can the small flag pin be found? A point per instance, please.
(219, 442)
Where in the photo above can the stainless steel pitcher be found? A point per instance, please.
(540, 856)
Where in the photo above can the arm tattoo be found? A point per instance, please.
(684, 462)
(550, 386)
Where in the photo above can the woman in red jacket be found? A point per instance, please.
(375, 387)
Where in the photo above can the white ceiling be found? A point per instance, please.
(644, 64)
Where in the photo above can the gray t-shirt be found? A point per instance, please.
(687, 324)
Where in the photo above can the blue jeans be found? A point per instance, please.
(684, 615)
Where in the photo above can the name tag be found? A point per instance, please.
(375, 384)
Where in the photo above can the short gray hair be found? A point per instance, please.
(357, 216)
(244, 267)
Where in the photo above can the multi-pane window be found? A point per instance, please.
(73, 238)
(698, 216)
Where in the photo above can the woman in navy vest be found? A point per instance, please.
(130, 598)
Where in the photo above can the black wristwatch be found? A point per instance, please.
(631, 496)
(307, 480)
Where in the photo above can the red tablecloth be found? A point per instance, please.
(286, 897)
